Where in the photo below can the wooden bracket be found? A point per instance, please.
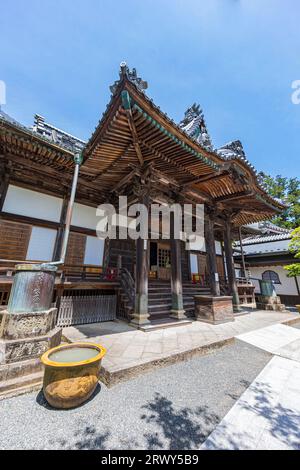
(126, 102)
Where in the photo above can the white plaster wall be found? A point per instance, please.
(287, 286)
(199, 245)
(41, 244)
(32, 204)
(94, 251)
(84, 216)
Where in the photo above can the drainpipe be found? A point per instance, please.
(78, 161)
(33, 285)
(242, 252)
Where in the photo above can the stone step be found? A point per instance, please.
(163, 314)
(160, 298)
(21, 384)
(160, 314)
(168, 294)
(164, 323)
(166, 285)
(165, 305)
(187, 290)
(159, 288)
(20, 369)
(196, 287)
(159, 294)
(190, 295)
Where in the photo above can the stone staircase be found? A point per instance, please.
(160, 298)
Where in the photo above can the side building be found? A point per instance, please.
(266, 254)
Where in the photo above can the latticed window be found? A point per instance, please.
(164, 258)
(271, 276)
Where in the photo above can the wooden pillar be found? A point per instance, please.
(141, 316)
(177, 311)
(223, 261)
(211, 255)
(4, 183)
(242, 253)
(230, 266)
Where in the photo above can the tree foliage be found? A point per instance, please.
(294, 246)
(288, 191)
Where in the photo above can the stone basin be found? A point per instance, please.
(71, 373)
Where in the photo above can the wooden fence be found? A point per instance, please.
(84, 308)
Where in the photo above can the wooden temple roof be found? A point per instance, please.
(134, 133)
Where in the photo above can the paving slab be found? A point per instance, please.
(131, 352)
(266, 416)
(281, 340)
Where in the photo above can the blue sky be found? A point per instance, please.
(237, 58)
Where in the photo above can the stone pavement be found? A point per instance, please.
(280, 340)
(267, 415)
(131, 352)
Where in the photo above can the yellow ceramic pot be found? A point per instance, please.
(69, 384)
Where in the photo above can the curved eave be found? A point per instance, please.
(17, 138)
(216, 159)
(208, 161)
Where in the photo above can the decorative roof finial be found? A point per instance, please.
(131, 75)
(233, 149)
(194, 125)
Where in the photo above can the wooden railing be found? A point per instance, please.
(66, 272)
(127, 285)
(88, 273)
(79, 272)
(224, 287)
(7, 267)
(244, 281)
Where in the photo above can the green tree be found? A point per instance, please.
(288, 190)
(294, 246)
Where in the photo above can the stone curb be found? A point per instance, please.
(112, 378)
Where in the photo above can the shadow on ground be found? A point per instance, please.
(177, 428)
(283, 422)
(94, 330)
(87, 438)
(41, 400)
(280, 425)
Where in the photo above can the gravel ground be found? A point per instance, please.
(171, 408)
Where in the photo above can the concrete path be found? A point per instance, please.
(131, 352)
(280, 340)
(267, 415)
